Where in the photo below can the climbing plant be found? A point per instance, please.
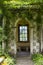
(14, 9)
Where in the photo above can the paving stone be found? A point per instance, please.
(24, 61)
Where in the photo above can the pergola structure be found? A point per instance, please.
(29, 12)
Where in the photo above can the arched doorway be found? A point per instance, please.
(22, 33)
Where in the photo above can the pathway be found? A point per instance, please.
(24, 60)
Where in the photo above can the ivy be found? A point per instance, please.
(13, 10)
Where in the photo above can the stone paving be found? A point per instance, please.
(24, 60)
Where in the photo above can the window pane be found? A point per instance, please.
(21, 39)
(25, 27)
(26, 31)
(24, 39)
(20, 29)
(23, 33)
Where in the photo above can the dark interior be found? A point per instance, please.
(23, 49)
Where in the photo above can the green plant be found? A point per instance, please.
(38, 59)
(2, 37)
(8, 60)
(1, 40)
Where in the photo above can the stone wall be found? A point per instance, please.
(34, 39)
(42, 38)
(36, 44)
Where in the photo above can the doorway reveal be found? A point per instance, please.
(23, 38)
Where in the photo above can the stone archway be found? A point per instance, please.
(30, 35)
(34, 45)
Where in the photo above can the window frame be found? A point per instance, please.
(27, 33)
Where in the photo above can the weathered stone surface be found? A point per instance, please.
(24, 61)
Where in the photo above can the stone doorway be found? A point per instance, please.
(23, 51)
(23, 37)
(24, 48)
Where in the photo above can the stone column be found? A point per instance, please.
(12, 44)
(35, 43)
(31, 40)
(42, 38)
(34, 38)
(3, 46)
(3, 43)
(42, 33)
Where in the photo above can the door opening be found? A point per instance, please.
(23, 38)
(23, 49)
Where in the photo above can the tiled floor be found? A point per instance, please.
(24, 60)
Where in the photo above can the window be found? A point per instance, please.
(23, 33)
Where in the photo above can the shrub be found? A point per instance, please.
(38, 59)
(8, 60)
(2, 37)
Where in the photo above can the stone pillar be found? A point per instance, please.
(12, 48)
(12, 44)
(3, 46)
(35, 43)
(34, 38)
(42, 38)
(31, 40)
(42, 33)
(3, 43)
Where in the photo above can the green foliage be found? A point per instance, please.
(38, 59)
(1, 37)
(8, 60)
(19, 4)
(14, 9)
(0, 11)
